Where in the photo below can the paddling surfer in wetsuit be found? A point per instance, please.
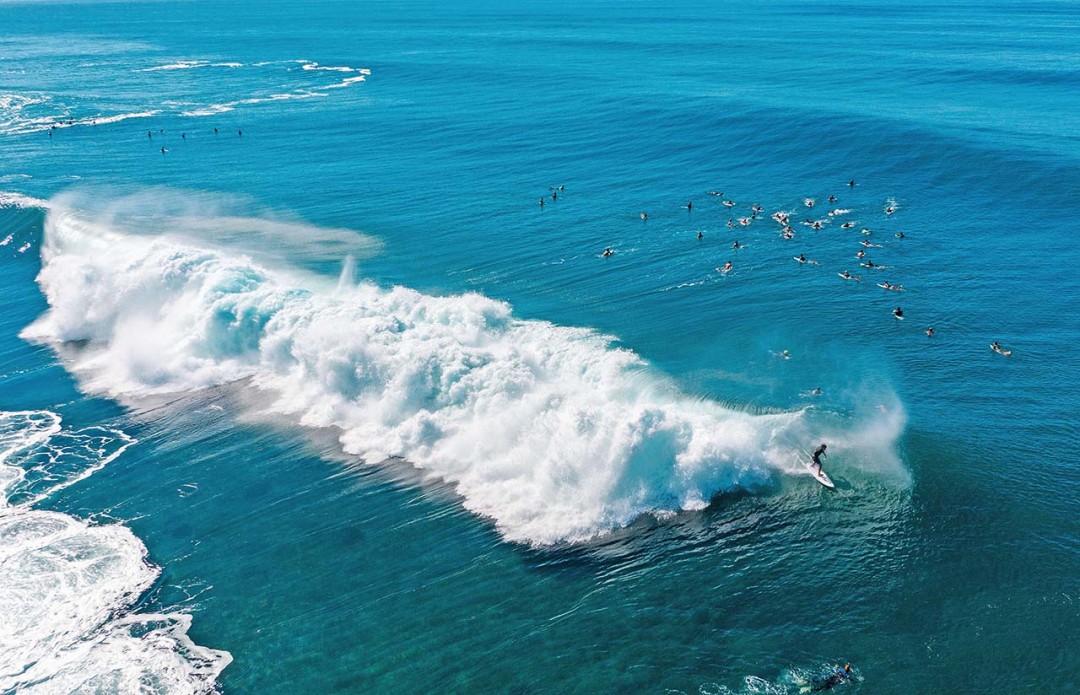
(818, 453)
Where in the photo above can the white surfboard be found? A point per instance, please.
(819, 475)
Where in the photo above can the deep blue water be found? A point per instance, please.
(482, 457)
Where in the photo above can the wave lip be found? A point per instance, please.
(66, 586)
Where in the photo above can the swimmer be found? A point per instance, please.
(785, 355)
(644, 216)
(736, 245)
(689, 205)
(239, 133)
(808, 202)
(554, 195)
(930, 332)
(215, 131)
(149, 135)
(541, 202)
(607, 252)
(731, 223)
(838, 676)
(183, 136)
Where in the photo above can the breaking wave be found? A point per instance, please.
(549, 431)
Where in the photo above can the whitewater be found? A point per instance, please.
(549, 431)
(69, 587)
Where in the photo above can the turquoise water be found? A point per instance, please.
(379, 422)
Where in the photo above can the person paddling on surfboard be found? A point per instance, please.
(838, 676)
(818, 453)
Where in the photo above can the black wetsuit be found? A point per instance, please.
(835, 679)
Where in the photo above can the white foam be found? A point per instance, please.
(546, 430)
(178, 65)
(66, 586)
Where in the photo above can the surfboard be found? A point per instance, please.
(898, 318)
(798, 260)
(819, 476)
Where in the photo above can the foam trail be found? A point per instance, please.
(547, 430)
(66, 585)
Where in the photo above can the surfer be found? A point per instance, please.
(801, 258)
(899, 235)
(898, 313)
(541, 202)
(838, 676)
(554, 195)
(689, 205)
(818, 453)
(929, 331)
(851, 183)
(832, 199)
(726, 268)
(816, 391)
(644, 216)
(700, 235)
(607, 252)
(736, 245)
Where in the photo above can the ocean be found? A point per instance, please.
(393, 347)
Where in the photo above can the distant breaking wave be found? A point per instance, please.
(547, 430)
(67, 586)
(38, 112)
